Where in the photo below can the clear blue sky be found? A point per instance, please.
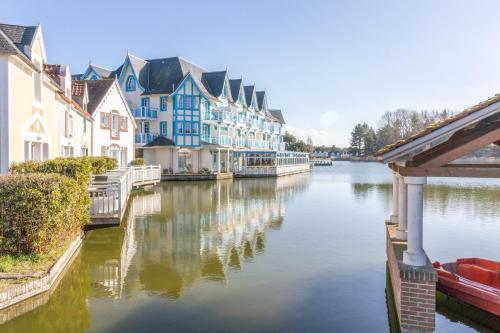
(326, 64)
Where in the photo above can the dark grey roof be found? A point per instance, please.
(235, 86)
(76, 76)
(214, 82)
(278, 115)
(249, 92)
(163, 76)
(19, 35)
(261, 96)
(96, 90)
(160, 141)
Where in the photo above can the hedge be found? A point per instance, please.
(38, 212)
(78, 168)
(138, 162)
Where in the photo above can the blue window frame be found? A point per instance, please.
(196, 128)
(163, 103)
(145, 102)
(163, 128)
(130, 83)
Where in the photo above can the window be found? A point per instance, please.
(195, 128)
(84, 127)
(104, 120)
(224, 92)
(145, 102)
(163, 103)
(187, 128)
(84, 152)
(37, 82)
(163, 128)
(206, 130)
(180, 128)
(130, 83)
(123, 124)
(145, 127)
(114, 128)
(68, 124)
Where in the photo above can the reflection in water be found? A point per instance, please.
(174, 236)
(199, 231)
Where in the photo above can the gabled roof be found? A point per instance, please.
(214, 82)
(278, 115)
(54, 72)
(20, 36)
(160, 141)
(249, 93)
(96, 90)
(453, 123)
(101, 71)
(235, 86)
(261, 97)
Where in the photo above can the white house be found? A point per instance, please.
(113, 129)
(38, 119)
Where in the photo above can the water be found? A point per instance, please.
(302, 253)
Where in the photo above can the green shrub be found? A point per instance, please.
(205, 171)
(101, 164)
(78, 168)
(38, 212)
(138, 162)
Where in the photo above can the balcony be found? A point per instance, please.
(226, 140)
(145, 112)
(239, 142)
(144, 138)
(210, 115)
(210, 139)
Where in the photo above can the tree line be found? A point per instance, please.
(393, 126)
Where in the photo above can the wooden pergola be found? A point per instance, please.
(434, 153)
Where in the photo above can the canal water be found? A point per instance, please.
(303, 253)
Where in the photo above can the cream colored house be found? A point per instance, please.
(38, 119)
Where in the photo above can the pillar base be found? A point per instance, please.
(413, 287)
(415, 259)
(401, 234)
(394, 219)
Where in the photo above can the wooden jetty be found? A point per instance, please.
(109, 192)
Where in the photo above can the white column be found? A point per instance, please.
(401, 231)
(415, 255)
(395, 198)
(218, 160)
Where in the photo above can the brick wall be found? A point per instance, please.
(414, 289)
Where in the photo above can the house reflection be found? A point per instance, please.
(184, 233)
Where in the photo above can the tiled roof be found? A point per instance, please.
(278, 115)
(235, 86)
(214, 82)
(54, 72)
(261, 95)
(249, 91)
(19, 35)
(77, 91)
(96, 90)
(6, 46)
(435, 126)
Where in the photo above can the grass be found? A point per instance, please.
(30, 263)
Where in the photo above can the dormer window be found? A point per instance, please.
(130, 83)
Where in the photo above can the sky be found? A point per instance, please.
(326, 64)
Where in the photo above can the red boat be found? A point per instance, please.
(473, 280)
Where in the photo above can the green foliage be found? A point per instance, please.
(39, 212)
(78, 168)
(293, 144)
(138, 162)
(205, 171)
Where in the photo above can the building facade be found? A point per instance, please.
(189, 119)
(38, 119)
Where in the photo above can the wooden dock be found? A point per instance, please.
(109, 192)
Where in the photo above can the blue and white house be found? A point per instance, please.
(189, 119)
